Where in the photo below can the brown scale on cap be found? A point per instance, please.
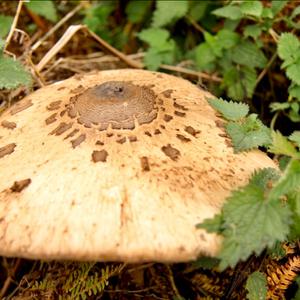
(19, 186)
(99, 156)
(8, 149)
(8, 125)
(171, 152)
(115, 103)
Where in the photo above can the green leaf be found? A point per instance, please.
(204, 56)
(231, 12)
(252, 30)
(289, 181)
(167, 12)
(248, 134)
(2, 44)
(197, 10)
(206, 262)
(227, 39)
(293, 72)
(295, 137)
(5, 23)
(281, 145)
(212, 225)
(288, 47)
(277, 6)
(12, 73)
(136, 10)
(43, 8)
(252, 222)
(295, 12)
(248, 54)
(252, 8)
(294, 91)
(230, 110)
(256, 286)
(263, 177)
(240, 82)
(155, 37)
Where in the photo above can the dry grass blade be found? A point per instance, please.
(69, 34)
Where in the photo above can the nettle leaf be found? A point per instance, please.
(251, 224)
(5, 22)
(167, 12)
(252, 30)
(231, 12)
(12, 73)
(227, 39)
(252, 8)
(288, 46)
(277, 6)
(197, 10)
(293, 72)
(240, 82)
(262, 177)
(230, 110)
(289, 181)
(248, 134)
(136, 10)
(204, 56)
(43, 8)
(248, 54)
(212, 225)
(295, 137)
(155, 37)
(281, 145)
(256, 286)
(294, 91)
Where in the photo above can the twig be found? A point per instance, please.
(14, 24)
(264, 71)
(171, 278)
(58, 25)
(195, 24)
(123, 57)
(191, 72)
(9, 279)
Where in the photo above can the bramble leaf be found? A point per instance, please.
(12, 73)
(288, 47)
(281, 145)
(43, 8)
(252, 8)
(169, 11)
(248, 134)
(231, 12)
(230, 110)
(5, 22)
(256, 286)
(295, 137)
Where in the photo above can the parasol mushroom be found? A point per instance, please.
(115, 165)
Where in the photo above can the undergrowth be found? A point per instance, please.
(246, 51)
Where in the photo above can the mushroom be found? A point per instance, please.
(116, 166)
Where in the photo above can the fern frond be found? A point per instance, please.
(281, 276)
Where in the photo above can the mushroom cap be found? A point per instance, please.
(116, 166)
